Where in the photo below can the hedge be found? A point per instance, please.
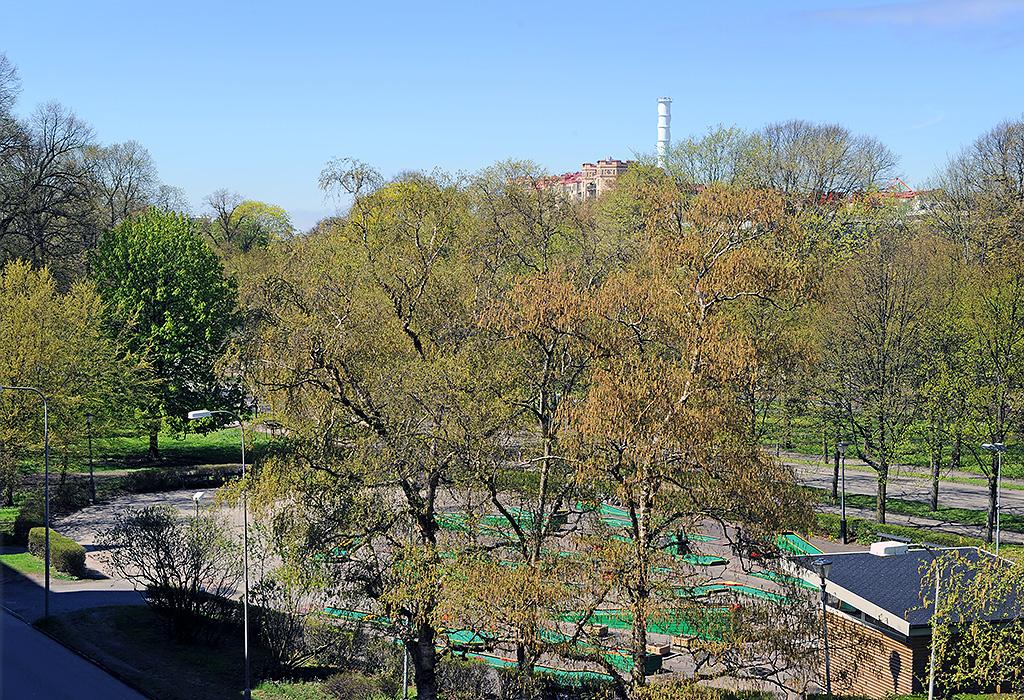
(868, 531)
(66, 555)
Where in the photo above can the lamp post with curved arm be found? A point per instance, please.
(198, 415)
(935, 553)
(46, 489)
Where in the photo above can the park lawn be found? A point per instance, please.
(131, 451)
(807, 439)
(132, 641)
(30, 564)
(277, 690)
(919, 509)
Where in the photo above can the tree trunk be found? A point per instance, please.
(154, 448)
(936, 459)
(639, 639)
(883, 482)
(954, 457)
(424, 659)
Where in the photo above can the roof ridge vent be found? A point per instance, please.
(889, 548)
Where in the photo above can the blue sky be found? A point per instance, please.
(257, 96)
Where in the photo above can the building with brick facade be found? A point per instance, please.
(591, 181)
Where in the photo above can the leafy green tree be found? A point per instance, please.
(164, 285)
(56, 342)
(978, 623)
(872, 329)
(244, 224)
(368, 351)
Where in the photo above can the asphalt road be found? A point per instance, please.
(35, 666)
(951, 494)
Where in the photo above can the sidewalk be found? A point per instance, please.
(23, 594)
(901, 470)
(35, 666)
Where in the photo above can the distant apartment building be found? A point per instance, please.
(591, 181)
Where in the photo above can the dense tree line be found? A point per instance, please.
(95, 248)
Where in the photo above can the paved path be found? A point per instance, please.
(35, 666)
(24, 594)
(951, 494)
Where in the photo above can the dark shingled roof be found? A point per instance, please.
(894, 583)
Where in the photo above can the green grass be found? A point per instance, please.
(918, 509)
(132, 452)
(806, 438)
(29, 564)
(133, 642)
(274, 690)
(868, 531)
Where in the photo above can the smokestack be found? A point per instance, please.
(664, 128)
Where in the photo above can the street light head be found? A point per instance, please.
(842, 447)
(822, 566)
(200, 414)
(198, 495)
(993, 447)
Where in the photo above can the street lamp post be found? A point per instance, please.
(931, 650)
(198, 415)
(92, 476)
(196, 497)
(841, 447)
(46, 490)
(823, 566)
(997, 448)
(935, 554)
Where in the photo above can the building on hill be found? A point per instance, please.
(591, 181)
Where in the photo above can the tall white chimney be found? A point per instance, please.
(664, 128)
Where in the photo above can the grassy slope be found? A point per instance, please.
(132, 641)
(128, 452)
(26, 563)
(273, 690)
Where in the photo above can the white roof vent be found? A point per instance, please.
(889, 549)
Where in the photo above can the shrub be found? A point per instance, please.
(867, 531)
(185, 563)
(352, 686)
(66, 555)
(678, 690)
(460, 679)
(30, 515)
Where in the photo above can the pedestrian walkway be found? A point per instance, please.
(23, 594)
(35, 666)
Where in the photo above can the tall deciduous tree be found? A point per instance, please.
(368, 346)
(244, 224)
(166, 287)
(994, 362)
(56, 342)
(873, 326)
(124, 180)
(660, 428)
